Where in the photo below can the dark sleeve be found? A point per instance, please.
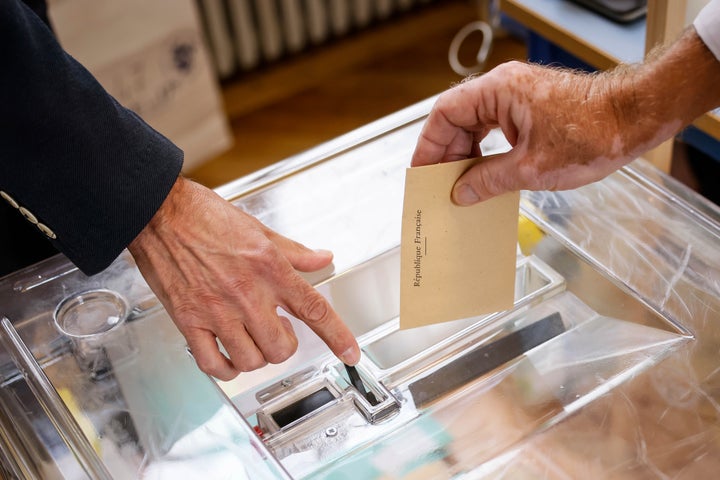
(84, 169)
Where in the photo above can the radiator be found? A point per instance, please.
(243, 35)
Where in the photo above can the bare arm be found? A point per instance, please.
(567, 128)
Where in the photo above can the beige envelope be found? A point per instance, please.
(456, 262)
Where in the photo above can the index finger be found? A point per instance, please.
(308, 305)
(452, 130)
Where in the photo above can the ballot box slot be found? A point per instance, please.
(398, 351)
(302, 407)
(320, 396)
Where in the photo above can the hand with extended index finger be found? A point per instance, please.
(221, 274)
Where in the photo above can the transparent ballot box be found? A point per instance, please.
(606, 366)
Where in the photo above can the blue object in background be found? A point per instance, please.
(545, 52)
(705, 143)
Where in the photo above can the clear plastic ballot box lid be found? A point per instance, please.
(606, 366)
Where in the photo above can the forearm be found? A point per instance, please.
(87, 168)
(672, 88)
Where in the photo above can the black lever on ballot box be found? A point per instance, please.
(357, 382)
(282, 409)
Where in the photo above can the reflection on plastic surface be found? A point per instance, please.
(215, 449)
(138, 399)
(90, 313)
(93, 320)
(629, 387)
(477, 420)
(664, 247)
(642, 238)
(479, 424)
(533, 280)
(615, 339)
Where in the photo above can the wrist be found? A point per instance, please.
(168, 210)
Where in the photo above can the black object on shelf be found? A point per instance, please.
(621, 11)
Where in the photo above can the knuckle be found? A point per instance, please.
(550, 181)
(485, 180)
(240, 284)
(245, 357)
(508, 68)
(184, 308)
(254, 362)
(273, 332)
(528, 176)
(271, 263)
(516, 64)
(281, 353)
(213, 367)
(189, 304)
(222, 376)
(314, 309)
(533, 178)
(513, 71)
(282, 344)
(266, 252)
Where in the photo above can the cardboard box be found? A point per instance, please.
(150, 55)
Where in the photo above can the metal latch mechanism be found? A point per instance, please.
(310, 395)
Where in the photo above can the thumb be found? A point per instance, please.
(492, 176)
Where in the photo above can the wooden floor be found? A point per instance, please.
(296, 104)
